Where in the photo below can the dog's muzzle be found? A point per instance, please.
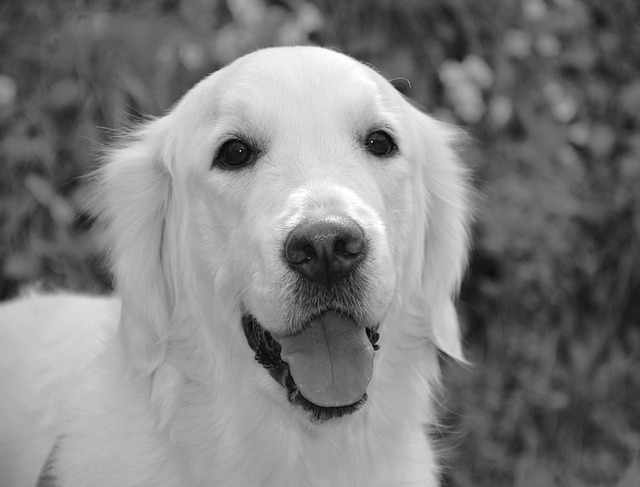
(326, 363)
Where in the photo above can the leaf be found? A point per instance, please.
(531, 472)
(8, 91)
(602, 141)
(581, 56)
(22, 266)
(629, 100)
(631, 477)
(64, 94)
(43, 191)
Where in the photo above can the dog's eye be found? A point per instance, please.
(380, 143)
(234, 153)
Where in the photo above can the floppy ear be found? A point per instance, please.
(443, 214)
(131, 199)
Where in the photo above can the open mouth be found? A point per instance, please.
(325, 368)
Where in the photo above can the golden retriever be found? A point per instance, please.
(286, 243)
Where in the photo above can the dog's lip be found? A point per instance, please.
(267, 350)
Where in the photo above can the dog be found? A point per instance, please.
(287, 244)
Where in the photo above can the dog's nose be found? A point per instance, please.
(325, 250)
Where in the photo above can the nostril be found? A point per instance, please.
(349, 248)
(298, 252)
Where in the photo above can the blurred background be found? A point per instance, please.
(549, 91)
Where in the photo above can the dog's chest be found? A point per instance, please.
(290, 460)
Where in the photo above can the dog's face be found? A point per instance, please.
(301, 182)
(301, 186)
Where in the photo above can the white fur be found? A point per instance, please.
(169, 394)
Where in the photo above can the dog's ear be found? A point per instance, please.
(133, 189)
(443, 215)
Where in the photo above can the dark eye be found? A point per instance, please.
(380, 143)
(234, 154)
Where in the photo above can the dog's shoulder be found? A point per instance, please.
(49, 344)
(57, 326)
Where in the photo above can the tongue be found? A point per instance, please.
(331, 361)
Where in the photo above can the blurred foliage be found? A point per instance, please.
(550, 94)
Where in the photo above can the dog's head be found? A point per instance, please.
(295, 203)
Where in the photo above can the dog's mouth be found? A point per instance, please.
(325, 368)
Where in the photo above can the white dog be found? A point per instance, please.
(286, 245)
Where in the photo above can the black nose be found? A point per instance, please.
(325, 250)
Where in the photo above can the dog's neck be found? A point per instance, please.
(225, 430)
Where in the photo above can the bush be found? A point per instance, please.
(550, 95)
